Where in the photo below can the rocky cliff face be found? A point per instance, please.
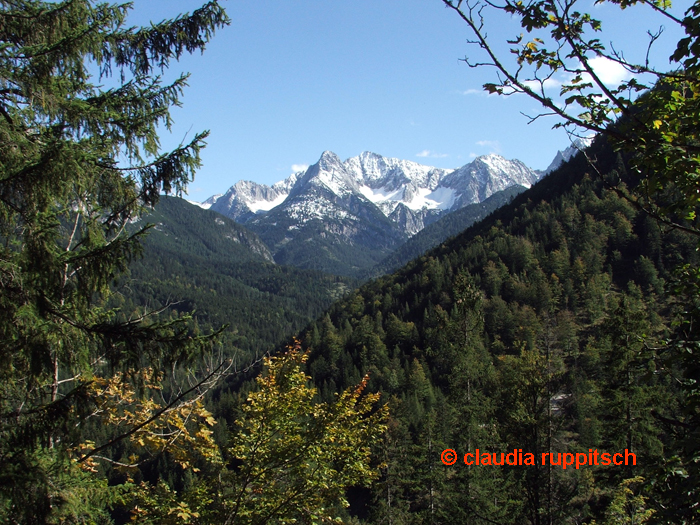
(561, 157)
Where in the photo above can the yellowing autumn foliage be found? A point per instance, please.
(298, 456)
(183, 429)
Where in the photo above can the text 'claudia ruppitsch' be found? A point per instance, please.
(518, 458)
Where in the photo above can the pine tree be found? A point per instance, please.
(78, 162)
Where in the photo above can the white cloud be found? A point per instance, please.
(478, 92)
(431, 154)
(549, 83)
(492, 144)
(473, 155)
(609, 72)
(299, 167)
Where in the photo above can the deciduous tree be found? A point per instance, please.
(652, 115)
(294, 457)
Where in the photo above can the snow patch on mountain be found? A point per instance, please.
(381, 194)
(442, 198)
(264, 205)
(207, 203)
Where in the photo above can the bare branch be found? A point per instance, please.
(118, 463)
(663, 12)
(512, 80)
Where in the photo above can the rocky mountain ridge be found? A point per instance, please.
(408, 193)
(346, 216)
(562, 156)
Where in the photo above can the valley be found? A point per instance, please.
(369, 341)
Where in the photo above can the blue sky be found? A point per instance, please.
(290, 79)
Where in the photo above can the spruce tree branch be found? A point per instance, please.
(99, 329)
(178, 159)
(160, 160)
(26, 54)
(46, 408)
(101, 250)
(11, 91)
(6, 116)
(46, 157)
(635, 202)
(165, 40)
(672, 422)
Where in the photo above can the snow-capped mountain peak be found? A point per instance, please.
(246, 198)
(561, 157)
(485, 176)
(375, 170)
(330, 173)
(207, 203)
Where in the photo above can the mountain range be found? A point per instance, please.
(409, 194)
(345, 217)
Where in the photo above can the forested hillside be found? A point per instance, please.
(209, 266)
(104, 373)
(442, 229)
(537, 330)
(206, 265)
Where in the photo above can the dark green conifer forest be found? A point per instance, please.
(205, 264)
(541, 329)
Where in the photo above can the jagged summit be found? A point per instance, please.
(485, 176)
(561, 157)
(330, 157)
